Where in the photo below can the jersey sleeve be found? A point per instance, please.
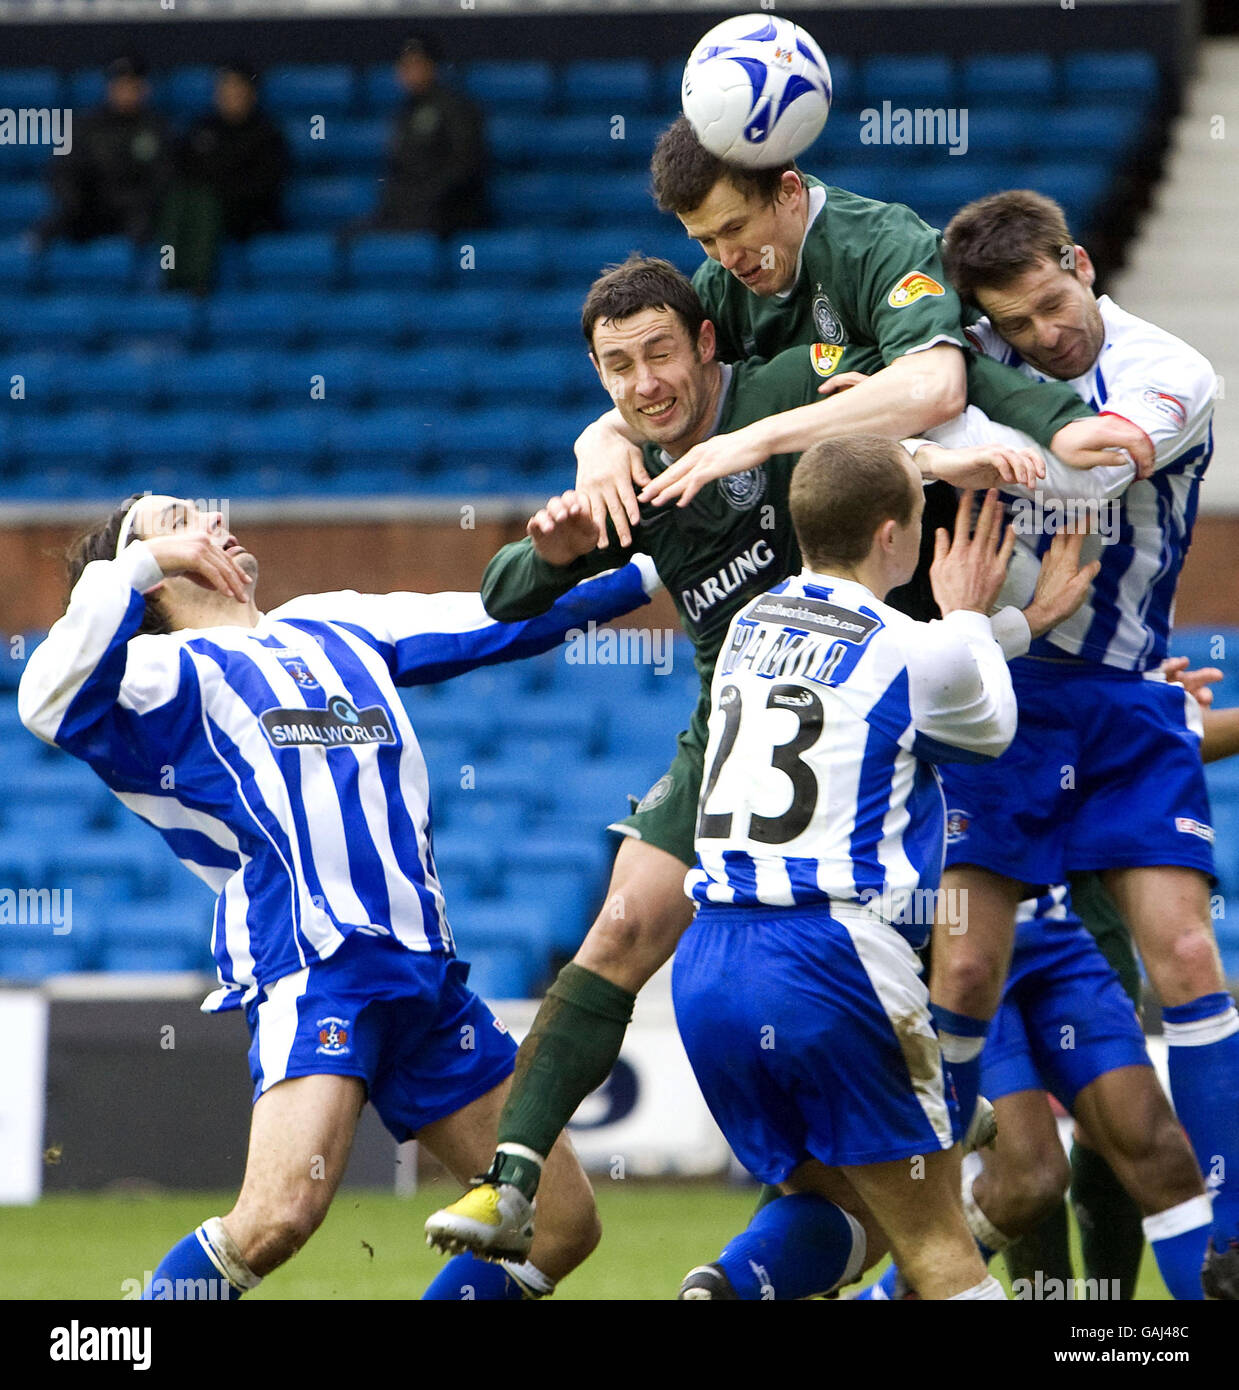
(710, 285)
(959, 691)
(88, 686)
(425, 638)
(1167, 390)
(1038, 408)
(904, 301)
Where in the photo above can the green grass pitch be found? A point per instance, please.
(371, 1245)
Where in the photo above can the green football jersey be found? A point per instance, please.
(732, 542)
(871, 276)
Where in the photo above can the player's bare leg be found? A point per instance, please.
(568, 1224)
(1026, 1172)
(917, 1203)
(572, 1046)
(971, 956)
(301, 1134)
(1168, 911)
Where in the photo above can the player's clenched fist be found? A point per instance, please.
(563, 530)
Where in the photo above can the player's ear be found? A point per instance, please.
(1086, 271)
(707, 341)
(790, 186)
(597, 368)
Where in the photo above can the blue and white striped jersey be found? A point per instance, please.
(828, 711)
(277, 761)
(1159, 383)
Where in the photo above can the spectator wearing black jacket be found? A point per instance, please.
(115, 177)
(436, 166)
(231, 166)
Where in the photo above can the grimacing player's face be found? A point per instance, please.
(657, 377)
(160, 516)
(757, 241)
(1049, 316)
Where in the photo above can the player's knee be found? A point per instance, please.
(1032, 1191)
(1194, 959)
(967, 981)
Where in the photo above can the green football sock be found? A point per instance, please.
(1111, 1236)
(1046, 1248)
(767, 1195)
(571, 1048)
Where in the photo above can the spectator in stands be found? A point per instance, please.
(231, 167)
(437, 156)
(114, 180)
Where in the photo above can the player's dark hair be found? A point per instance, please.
(642, 282)
(100, 544)
(995, 240)
(684, 172)
(842, 490)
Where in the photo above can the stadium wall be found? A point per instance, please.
(382, 556)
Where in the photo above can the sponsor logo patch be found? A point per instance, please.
(340, 725)
(1185, 825)
(1165, 404)
(333, 1035)
(300, 672)
(915, 285)
(957, 824)
(825, 357)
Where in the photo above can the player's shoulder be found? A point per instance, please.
(852, 221)
(1132, 342)
(342, 603)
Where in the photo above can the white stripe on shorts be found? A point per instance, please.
(892, 967)
(277, 1025)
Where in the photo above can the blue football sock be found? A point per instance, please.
(465, 1277)
(881, 1289)
(1179, 1237)
(961, 1039)
(1203, 1041)
(794, 1247)
(188, 1272)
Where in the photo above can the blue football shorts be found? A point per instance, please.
(810, 1036)
(1064, 1019)
(1104, 772)
(404, 1021)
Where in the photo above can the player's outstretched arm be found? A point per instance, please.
(609, 469)
(916, 392)
(1095, 442)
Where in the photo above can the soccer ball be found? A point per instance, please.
(756, 90)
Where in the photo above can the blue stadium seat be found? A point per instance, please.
(548, 375)
(180, 441)
(344, 144)
(555, 315)
(85, 439)
(1112, 77)
(1008, 80)
(515, 142)
(253, 317)
(32, 952)
(326, 203)
(1226, 845)
(160, 317)
(640, 136)
(499, 439)
(579, 256)
(313, 88)
(1079, 187)
(370, 316)
(501, 972)
(394, 436)
(227, 375)
(343, 374)
(378, 89)
(867, 178)
(616, 85)
(295, 438)
(478, 318)
(584, 142)
(31, 160)
(30, 87)
(922, 81)
(950, 183)
(592, 851)
(543, 198)
(120, 379)
(48, 376)
(439, 377)
(524, 87)
(465, 870)
(996, 131)
(157, 937)
(485, 924)
(512, 259)
(62, 322)
(19, 262)
(601, 200)
(85, 88)
(569, 895)
(844, 83)
(601, 787)
(1090, 132)
(295, 259)
(185, 93)
(388, 259)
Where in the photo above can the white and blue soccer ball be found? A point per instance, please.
(756, 90)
